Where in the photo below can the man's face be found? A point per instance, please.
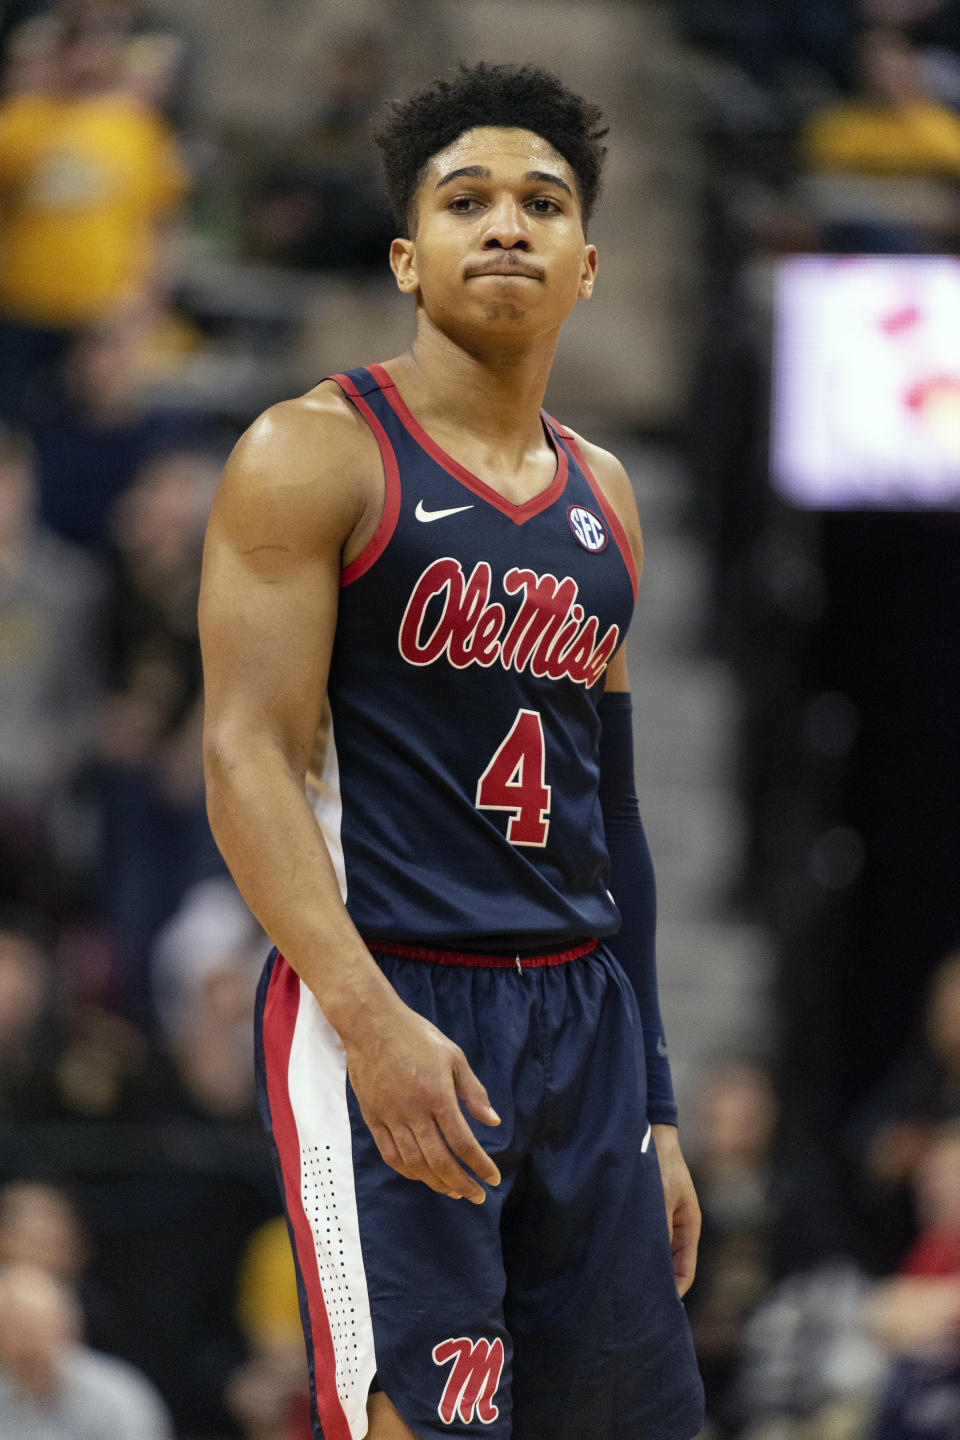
(498, 240)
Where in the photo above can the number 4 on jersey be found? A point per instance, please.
(515, 780)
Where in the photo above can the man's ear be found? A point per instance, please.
(403, 263)
(588, 272)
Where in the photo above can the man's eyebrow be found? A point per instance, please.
(546, 178)
(480, 172)
(473, 172)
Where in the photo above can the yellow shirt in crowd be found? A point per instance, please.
(267, 1305)
(83, 182)
(922, 139)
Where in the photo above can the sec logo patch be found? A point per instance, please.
(587, 529)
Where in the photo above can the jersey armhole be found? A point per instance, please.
(607, 510)
(381, 537)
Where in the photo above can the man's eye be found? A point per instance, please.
(543, 205)
(463, 203)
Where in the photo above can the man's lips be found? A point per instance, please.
(505, 268)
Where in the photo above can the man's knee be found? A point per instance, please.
(384, 1422)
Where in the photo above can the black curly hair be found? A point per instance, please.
(483, 94)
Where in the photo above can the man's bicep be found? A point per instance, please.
(268, 610)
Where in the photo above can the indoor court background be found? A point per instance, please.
(795, 662)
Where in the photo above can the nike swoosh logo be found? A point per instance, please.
(646, 1140)
(427, 515)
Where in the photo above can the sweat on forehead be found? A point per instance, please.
(487, 152)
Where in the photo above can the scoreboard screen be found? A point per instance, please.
(866, 382)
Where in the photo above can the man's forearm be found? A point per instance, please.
(273, 846)
(634, 890)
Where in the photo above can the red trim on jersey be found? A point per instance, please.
(517, 513)
(279, 1021)
(380, 539)
(487, 962)
(609, 514)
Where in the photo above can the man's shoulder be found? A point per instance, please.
(306, 471)
(307, 437)
(325, 407)
(612, 478)
(603, 465)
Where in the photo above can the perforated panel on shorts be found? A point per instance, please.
(319, 1184)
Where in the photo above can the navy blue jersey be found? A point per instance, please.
(471, 643)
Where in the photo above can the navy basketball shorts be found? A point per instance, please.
(550, 1312)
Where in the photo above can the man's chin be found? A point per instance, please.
(503, 312)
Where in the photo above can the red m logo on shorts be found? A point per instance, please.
(473, 1381)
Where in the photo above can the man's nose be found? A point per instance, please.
(506, 227)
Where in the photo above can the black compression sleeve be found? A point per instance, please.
(633, 887)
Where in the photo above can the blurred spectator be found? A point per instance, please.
(916, 1316)
(735, 1122)
(893, 128)
(103, 1070)
(60, 1058)
(25, 984)
(90, 181)
(171, 1242)
(878, 164)
(51, 597)
(893, 1133)
(151, 777)
(206, 964)
(320, 204)
(52, 1387)
(29, 58)
(809, 1371)
(154, 64)
(40, 1225)
(157, 55)
(269, 1395)
(94, 433)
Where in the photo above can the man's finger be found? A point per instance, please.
(465, 1145)
(412, 1163)
(391, 1156)
(454, 1179)
(684, 1267)
(472, 1093)
(416, 1166)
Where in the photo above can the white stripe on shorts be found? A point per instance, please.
(317, 1079)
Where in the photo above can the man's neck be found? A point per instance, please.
(494, 393)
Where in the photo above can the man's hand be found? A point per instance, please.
(683, 1211)
(409, 1080)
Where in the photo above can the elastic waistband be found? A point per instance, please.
(489, 962)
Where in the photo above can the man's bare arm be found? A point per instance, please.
(292, 502)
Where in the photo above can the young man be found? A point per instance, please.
(418, 541)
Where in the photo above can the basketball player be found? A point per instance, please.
(467, 1089)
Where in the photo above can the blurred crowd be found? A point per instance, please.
(146, 1286)
(828, 1301)
(144, 1290)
